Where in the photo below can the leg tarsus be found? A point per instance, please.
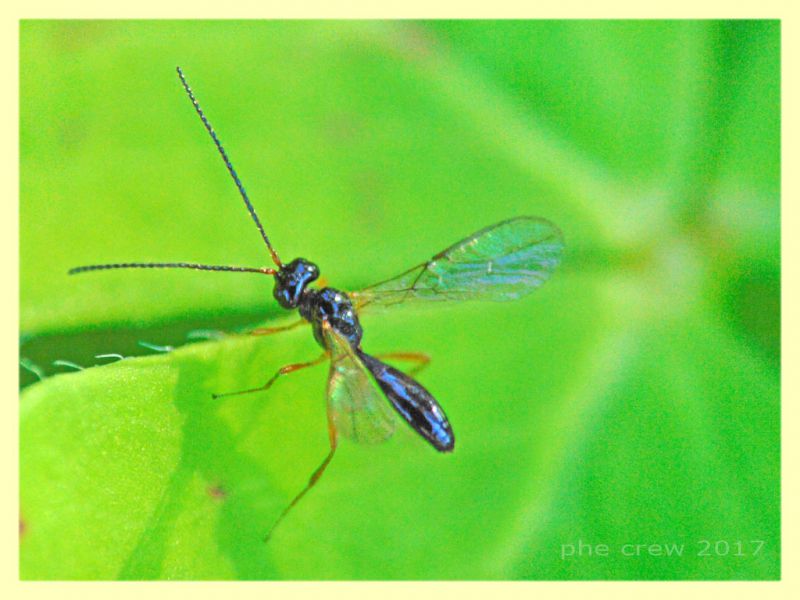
(315, 476)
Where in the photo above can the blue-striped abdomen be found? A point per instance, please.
(414, 403)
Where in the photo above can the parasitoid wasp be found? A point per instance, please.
(500, 262)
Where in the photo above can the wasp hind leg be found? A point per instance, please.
(312, 481)
(421, 359)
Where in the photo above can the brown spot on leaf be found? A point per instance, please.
(217, 492)
(344, 127)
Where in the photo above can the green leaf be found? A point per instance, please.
(633, 400)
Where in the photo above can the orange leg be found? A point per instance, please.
(271, 330)
(420, 358)
(211, 334)
(280, 372)
(315, 476)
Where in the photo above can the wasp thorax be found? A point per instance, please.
(332, 308)
(291, 281)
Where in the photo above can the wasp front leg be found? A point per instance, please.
(272, 330)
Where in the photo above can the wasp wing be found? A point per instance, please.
(504, 261)
(357, 406)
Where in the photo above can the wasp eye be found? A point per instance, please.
(292, 280)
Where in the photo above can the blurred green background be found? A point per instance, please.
(634, 399)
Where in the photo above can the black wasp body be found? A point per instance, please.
(501, 262)
(331, 309)
(325, 305)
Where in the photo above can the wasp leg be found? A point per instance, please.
(271, 330)
(285, 370)
(422, 359)
(315, 476)
(213, 334)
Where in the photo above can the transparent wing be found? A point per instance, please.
(504, 261)
(357, 406)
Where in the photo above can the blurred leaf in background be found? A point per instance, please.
(633, 400)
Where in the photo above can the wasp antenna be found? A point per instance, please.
(228, 164)
(182, 265)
